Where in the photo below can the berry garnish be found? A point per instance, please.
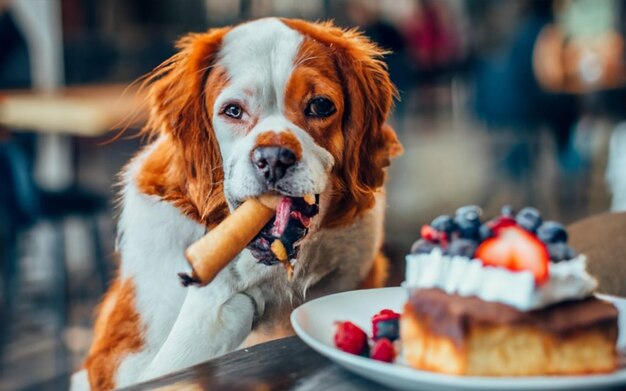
(467, 229)
(350, 338)
(385, 324)
(552, 232)
(462, 247)
(467, 220)
(383, 350)
(470, 212)
(507, 211)
(485, 232)
(529, 218)
(432, 235)
(429, 233)
(496, 224)
(444, 223)
(516, 249)
(422, 246)
(560, 251)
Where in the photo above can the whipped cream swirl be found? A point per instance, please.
(568, 280)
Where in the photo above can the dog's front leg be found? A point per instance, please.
(212, 321)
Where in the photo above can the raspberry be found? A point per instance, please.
(385, 324)
(443, 239)
(429, 233)
(383, 350)
(350, 338)
(388, 313)
(433, 235)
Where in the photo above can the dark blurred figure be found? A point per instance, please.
(507, 91)
(14, 65)
(508, 96)
(436, 51)
(366, 14)
(433, 39)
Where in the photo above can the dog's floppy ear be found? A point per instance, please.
(369, 143)
(176, 93)
(177, 88)
(369, 96)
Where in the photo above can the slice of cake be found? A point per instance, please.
(505, 298)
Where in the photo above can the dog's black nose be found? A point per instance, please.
(272, 163)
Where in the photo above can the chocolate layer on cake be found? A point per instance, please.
(452, 316)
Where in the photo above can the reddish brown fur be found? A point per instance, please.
(117, 332)
(282, 139)
(357, 136)
(187, 168)
(377, 276)
(316, 75)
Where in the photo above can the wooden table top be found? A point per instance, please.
(284, 364)
(87, 111)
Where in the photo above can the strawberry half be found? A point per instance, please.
(499, 223)
(516, 249)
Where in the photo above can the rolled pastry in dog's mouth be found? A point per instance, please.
(279, 240)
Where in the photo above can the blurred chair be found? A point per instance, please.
(600, 237)
(22, 204)
(508, 96)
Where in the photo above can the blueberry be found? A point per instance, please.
(560, 251)
(422, 247)
(529, 218)
(467, 220)
(467, 229)
(389, 329)
(470, 212)
(444, 223)
(462, 247)
(507, 210)
(484, 232)
(571, 253)
(552, 232)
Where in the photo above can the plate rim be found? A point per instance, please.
(441, 379)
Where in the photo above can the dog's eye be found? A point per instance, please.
(233, 111)
(319, 108)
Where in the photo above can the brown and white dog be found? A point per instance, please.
(310, 88)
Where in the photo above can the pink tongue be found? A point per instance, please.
(282, 217)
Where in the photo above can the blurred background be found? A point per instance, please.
(502, 102)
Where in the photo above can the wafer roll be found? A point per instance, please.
(209, 255)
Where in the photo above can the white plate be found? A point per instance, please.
(314, 324)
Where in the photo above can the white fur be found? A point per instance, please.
(184, 326)
(79, 381)
(151, 233)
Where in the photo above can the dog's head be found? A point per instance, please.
(276, 105)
